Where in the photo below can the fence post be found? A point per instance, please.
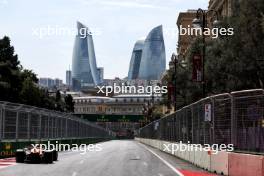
(1, 122)
(48, 127)
(39, 132)
(66, 128)
(212, 127)
(17, 123)
(28, 126)
(233, 122)
(192, 124)
(3, 118)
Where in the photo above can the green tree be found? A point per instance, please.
(9, 71)
(30, 93)
(20, 85)
(69, 103)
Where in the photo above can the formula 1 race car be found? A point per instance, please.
(36, 155)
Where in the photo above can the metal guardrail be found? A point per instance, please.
(23, 122)
(233, 118)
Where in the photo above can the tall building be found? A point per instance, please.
(223, 7)
(85, 73)
(101, 74)
(135, 60)
(68, 78)
(58, 82)
(153, 61)
(46, 82)
(184, 41)
(50, 83)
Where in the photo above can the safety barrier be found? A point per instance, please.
(232, 118)
(219, 163)
(21, 125)
(202, 159)
(245, 164)
(225, 163)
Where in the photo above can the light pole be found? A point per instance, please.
(201, 22)
(173, 66)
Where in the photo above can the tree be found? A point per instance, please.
(29, 74)
(20, 85)
(9, 71)
(69, 103)
(30, 93)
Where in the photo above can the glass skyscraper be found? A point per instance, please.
(135, 60)
(85, 73)
(153, 60)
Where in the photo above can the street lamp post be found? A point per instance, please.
(173, 65)
(201, 22)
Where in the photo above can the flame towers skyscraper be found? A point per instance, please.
(135, 60)
(85, 73)
(148, 61)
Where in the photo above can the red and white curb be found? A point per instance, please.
(7, 162)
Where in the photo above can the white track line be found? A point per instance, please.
(164, 161)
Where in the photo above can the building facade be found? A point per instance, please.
(122, 114)
(50, 83)
(223, 7)
(135, 60)
(85, 73)
(153, 61)
(184, 41)
(116, 105)
(69, 78)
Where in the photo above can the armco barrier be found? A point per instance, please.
(245, 165)
(219, 163)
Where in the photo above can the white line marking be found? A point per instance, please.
(164, 161)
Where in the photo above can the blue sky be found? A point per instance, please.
(117, 25)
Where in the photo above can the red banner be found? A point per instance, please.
(197, 68)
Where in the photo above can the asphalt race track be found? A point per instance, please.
(117, 158)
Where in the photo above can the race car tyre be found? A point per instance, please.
(55, 155)
(20, 156)
(48, 157)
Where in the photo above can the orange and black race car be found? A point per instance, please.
(36, 155)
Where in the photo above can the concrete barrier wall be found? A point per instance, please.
(245, 164)
(219, 163)
(226, 163)
(202, 159)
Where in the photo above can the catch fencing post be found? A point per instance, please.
(17, 123)
(233, 122)
(1, 122)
